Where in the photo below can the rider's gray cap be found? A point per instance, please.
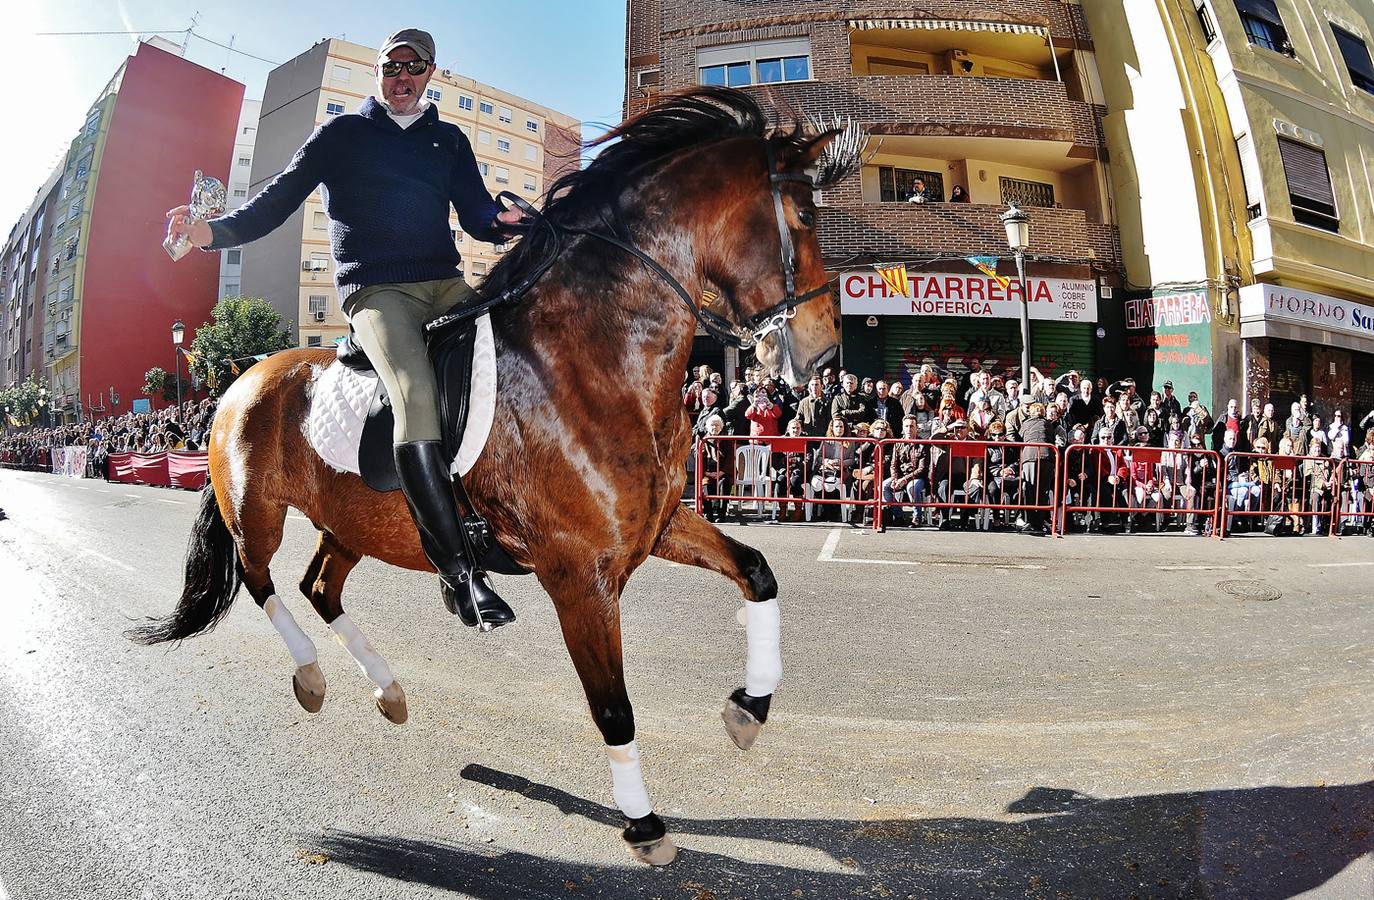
(419, 41)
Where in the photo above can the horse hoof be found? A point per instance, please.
(659, 852)
(391, 703)
(740, 724)
(308, 683)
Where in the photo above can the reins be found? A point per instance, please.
(743, 334)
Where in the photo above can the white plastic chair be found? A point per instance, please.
(751, 472)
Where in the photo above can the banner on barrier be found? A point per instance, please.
(69, 461)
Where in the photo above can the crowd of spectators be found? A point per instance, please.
(840, 414)
(175, 428)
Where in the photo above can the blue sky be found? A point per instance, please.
(565, 54)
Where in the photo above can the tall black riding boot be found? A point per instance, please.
(428, 489)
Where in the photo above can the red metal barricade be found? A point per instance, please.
(990, 476)
(786, 473)
(1355, 503)
(1103, 481)
(1284, 494)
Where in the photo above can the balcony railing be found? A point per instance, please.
(962, 229)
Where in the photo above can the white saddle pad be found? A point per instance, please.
(342, 396)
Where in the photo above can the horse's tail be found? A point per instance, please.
(213, 576)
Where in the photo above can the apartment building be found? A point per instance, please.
(1241, 138)
(97, 291)
(236, 193)
(1001, 99)
(520, 147)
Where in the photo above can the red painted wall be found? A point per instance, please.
(171, 117)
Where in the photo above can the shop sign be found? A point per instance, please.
(1259, 302)
(1169, 338)
(864, 293)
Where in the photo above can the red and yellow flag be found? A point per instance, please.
(895, 277)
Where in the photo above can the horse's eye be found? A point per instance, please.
(807, 217)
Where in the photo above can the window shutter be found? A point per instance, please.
(1249, 170)
(1305, 168)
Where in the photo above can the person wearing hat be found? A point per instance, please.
(390, 174)
(1171, 405)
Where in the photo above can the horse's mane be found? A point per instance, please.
(679, 121)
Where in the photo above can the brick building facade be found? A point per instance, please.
(1002, 100)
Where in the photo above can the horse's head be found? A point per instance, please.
(766, 259)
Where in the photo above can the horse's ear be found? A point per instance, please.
(809, 152)
(835, 152)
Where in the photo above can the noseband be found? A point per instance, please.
(743, 335)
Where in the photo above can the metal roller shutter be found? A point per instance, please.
(951, 343)
(1308, 179)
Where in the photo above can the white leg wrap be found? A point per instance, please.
(763, 667)
(302, 649)
(362, 651)
(627, 781)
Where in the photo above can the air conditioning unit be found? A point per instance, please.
(319, 315)
(447, 73)
(311, 265)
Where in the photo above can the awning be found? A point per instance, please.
(947, 25)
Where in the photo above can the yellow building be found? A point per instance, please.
(1242, 140)
(520, 147)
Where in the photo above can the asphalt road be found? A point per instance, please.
(961, 716)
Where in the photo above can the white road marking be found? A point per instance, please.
(1195, 568)
(135, 496)
(102, 491)
(164, 500)
(112, 561)
(828, 555)
(1337, 565)
(831, 542)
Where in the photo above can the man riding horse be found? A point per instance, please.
(390, 173)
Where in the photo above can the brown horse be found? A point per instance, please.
(582, 473)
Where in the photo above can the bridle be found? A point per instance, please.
(744, 334)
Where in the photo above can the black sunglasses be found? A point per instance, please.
(416, 67)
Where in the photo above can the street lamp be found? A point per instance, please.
(178, 332)
(1017, 224)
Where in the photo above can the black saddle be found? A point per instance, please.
(450, 351)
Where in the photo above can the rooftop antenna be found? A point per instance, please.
(195, 17)
(228, 50)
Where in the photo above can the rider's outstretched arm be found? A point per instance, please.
(282, 196)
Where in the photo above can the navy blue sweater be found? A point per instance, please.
(387, 192)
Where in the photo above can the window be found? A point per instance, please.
(233, 257)
(530, 184)
(70, 250)
(503, 145)
(504, 114)
(1264, 25)
(341, 74)
(249, 130)
(74, 209)
(1356, 59)
(648, 78)
(1309, 185)
(895, 185)
(333, 109)
(502, 175)
(56, 264)
(531, 152)
(319, 303)
(1026, 193)
(484, 167)
(766, 62)
(464, 102)
(231, 289)
(531, 126)
(312, 340)
(64, 290)
(456, 234)
(320, 261)
(1204, 18)
(434, 94)
(245, 160)
(241, 193)
(479, 268)
(320, 221)
(483, 137)
(484, 107)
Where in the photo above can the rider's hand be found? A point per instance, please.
(197, 231)
(511, 216)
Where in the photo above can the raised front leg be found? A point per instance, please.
(691, 540)
(589, 612)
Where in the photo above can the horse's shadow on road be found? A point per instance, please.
(1252, 843)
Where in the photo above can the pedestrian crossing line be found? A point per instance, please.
(1198, 568)
(1337, 565)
